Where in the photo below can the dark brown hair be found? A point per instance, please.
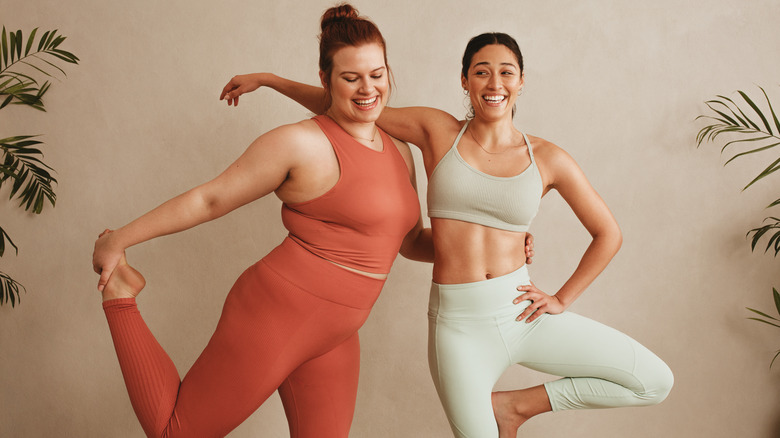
(478, 42)
(342, 26)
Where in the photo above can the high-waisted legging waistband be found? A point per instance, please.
(478, 299)
(310, 273)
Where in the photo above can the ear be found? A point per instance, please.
(522, 79)
(324, 83)
(464, 82)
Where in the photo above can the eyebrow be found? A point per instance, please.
(356, 73)
(487, 63)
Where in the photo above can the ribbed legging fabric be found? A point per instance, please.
(289, 324)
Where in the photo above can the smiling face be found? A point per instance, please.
(493, 82)
(359, 85)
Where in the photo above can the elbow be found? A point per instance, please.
(610, 237)
(208, 206)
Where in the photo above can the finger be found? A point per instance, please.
(528, 312)
(227, 89)
(104, 274)
(235, 101)
(525, 297)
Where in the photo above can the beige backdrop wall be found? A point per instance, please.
(616, 83)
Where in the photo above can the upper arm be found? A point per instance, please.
(417, 125)
(262, 168)
(411, 236)
(564, 175)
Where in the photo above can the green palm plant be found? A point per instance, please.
(21, 165)
(771, 320)
(730, 118)
(740, 122)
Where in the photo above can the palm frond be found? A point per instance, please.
(740, 118)
(18, 53)
(30, 176)
(772, 230)
(9, 289)
(776, 298)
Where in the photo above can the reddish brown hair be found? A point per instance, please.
(342, 26)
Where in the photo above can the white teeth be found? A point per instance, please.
(365, 102)
(494, 99)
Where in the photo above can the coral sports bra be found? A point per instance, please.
(456, 190)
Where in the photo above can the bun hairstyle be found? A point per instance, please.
(342, 26)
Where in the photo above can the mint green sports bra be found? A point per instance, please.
(458, 191)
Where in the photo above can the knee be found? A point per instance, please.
(658, 384)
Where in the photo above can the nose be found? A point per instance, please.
(366, 87)
(494, 82)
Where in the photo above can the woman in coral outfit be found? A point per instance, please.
(290, 321)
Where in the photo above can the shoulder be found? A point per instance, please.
(405, 151)
(548, 152)
(557, 167)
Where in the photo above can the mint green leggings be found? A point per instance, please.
(474, 338)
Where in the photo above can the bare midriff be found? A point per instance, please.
(357, 271)
(466, 252)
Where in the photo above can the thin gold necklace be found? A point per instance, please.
(483, 148)
(373, 137)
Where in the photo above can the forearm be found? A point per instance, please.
(597, 256)
(178, 214)
(419, 246)
(311, 97)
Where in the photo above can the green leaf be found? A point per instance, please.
(762, 314)
(9, 289)
(771, 111)
(777, 299)
(30, 41)
(773, 359)
(768, 171)
(43, 40)
(758, 111)
(49, 40)
(3, 237)
(777, 202)
(12, 44)
(47, 62)
(6, 101)
(19, 44)
(765, 322)
(753, 150)
(750, 122)
(4, 48)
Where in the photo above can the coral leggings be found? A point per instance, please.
(289, 324)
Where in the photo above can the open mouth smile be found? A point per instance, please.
(367, 104)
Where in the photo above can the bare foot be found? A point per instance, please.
(505, 408)
(125, 282)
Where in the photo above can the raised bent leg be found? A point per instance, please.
(602, 367)
(268, 328)
(319, 396)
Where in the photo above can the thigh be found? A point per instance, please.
(319, 396)
(268, 328)
(572, 345)
(466, 358)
